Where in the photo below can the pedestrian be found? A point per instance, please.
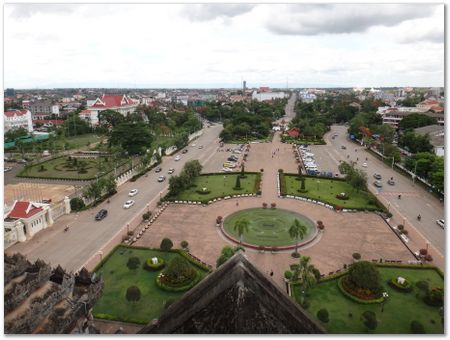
(237, 203)
(271, 273)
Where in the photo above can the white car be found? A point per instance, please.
(171, 171)
(7, 168)
(194, 144)
(177, 157)
(133, 192)
(227, 170)
(365, 164)
(128, 204)
(200, 147)
(441, 223)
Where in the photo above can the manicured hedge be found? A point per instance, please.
(406, 288)
(354, 298)
(180, 288)
(115, 318)
(154, 267)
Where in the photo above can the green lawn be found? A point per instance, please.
(268, 227)
(76, 142)
(56, 168)
(163, 141)
(399, 310)
(219, 185)
(118, 278)
(325, 190)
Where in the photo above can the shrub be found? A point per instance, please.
(364, 275)
(423, 252)
(261, 170)
(76, 204)
(356, 256)
(133, 294)
(146, 216)
(184, 244)
(149, 265)
(342, 196)
(370, 320)
(166, 244)
(434, 297)
(320, 225)
(400, 227)
(295, 255)
(288, 275)
(178, 273)
(417, 327)
(280, 170)
(264, 205)
(273, 205)
(203, 192)
(428, 258)
(406, 287)
(423, 285)
(133, 262)
(322, 315)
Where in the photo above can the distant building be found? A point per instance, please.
(44, 108)
(15, 119)
(436, 133)
(10, 93)
(265, 96)
(91, 116)
(244, 85)
(394, 115)
(120, 103)
(294, 132)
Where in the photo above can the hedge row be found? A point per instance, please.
(178, 289)
(116, 318)
(404, 289)
(354, 298)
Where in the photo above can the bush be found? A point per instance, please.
(149, 265)
(288, 275)
(264, 205)
(133, 294)
(184, 244)
(400, 227)
(133, 263)
(428, 258)
(166, 244)
(77, 204)
(203, 192)
(417, 327)
(406, 287)
(273, 205)
(363, 280)
(370, 320)
(343, 196)
(434, 297)
(322, 315)
(356, 256)
(146, 216)
(295, 255)
(423, 285)
(178, 273)
(423, 252)
(320, 225)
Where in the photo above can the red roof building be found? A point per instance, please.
(120, 103)
(15, 119)
(294, 132)
(22, 209)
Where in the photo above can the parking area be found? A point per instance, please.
(232, 154)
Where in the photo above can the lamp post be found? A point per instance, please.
(385, 296)
(128, 228)
(147, 207)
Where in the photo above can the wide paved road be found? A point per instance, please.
(414, 200)
(86, 236)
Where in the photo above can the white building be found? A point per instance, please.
(90, 116)
(18, 118)
(263, 96)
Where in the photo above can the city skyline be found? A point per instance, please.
(219, 45)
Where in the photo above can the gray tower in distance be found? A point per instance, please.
(244, 85)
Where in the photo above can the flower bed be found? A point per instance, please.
(360, 296)
(406, 287)
(181, 287)
(149, 265)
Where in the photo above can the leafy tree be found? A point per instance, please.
(133, 294)
(370, 320)
(322, 315)
(94, 190)
(192, 168)
(182, 140)
(179, 271)
(110, 118)
(166, 244)
(13, 134)
(76, 204)
(241, 226)
(238, 182)
(417, 327)
(111, 185)
(416, 120)
(132, 137)
(355, 177)
(227, 253)
(365, 275)
(176, 185)
(133, 263)
(415, 143)
(297, 231)
(74, 126)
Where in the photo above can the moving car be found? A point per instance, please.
(184, 151)
(128, 204)
(133, 192)
(441, 223)
(377, 176)
(101, 215)
(200, 147)
(158, 169)
(171, 171)
(161, 178)
(378, 184)
(177, 157)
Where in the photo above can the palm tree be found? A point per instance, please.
(241, 226)
(297, 231)
(304, 272)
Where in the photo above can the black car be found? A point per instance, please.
(184, 151)
(158, 169)
(101, 215)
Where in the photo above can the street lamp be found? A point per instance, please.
(147, 207)
(385, 296)
(128, 228)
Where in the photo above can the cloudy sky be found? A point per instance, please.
(219, 45)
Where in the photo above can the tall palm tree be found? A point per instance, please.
(241, 226)
(304, 272)
(297, 231)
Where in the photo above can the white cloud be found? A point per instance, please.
(206, 12)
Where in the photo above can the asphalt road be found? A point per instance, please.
(414, 198)
(85, 236)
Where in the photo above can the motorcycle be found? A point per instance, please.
(419, 217)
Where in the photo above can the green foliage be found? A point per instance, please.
(227, 253)
(423, 285)
(146, 216)
(190, 171)
(297, 231)
(184, 244)
(110, 118)
(370, 320)
(76, 204)
(355, 177)
(365, 275)
(241, 226)
(406, 287)
(178, 272)
(429, 166)
(322, 315)
(238, 182)
(74, 126)
(417, 327)
(415, 143)
(133, 263)
(133, 294)
(434, 297)
(149, 265)
(13, 134)
(166, 244)
(132, 136)
(416, 120)
(288, 275)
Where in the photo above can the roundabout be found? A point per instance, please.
(268, 228)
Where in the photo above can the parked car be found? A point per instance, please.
(377, 176)
(128, 204)
(365, 165)
(177, 157)
(441, 223)
(101, 215)
(161, 178)
(171, 171)
(184, 151)
(200, 147)
(133, 192)
(22, 161)
(343, 147)
(378, 184)
(158, 169)
(227, 170)
(7, 168)
(391, 182)
(194, 144)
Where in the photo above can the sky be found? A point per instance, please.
(220, 45)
